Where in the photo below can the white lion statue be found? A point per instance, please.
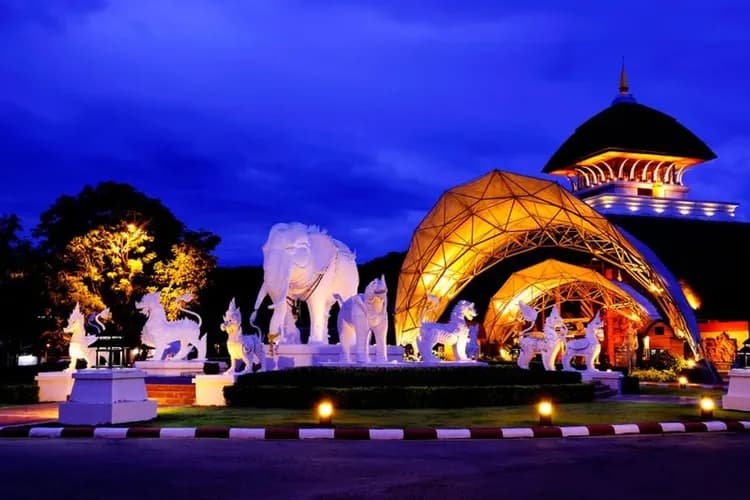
(241, 347)
(589, 346)
(549, 345)
(159, 332)
(79, 341)
(361, 315)
(455, 333)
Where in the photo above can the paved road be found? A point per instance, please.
(685, 466)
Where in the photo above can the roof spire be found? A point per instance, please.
(624, 94)
(624, 88)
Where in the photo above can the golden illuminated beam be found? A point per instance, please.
(616, 154)
(541, 284)
(475, 225)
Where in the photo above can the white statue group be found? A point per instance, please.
(554, 339)
(300, 263)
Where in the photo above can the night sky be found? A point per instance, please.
(354, 115)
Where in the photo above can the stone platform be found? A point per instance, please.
(296, 355)
(107, 396)
(738, 394)
(54, 386)
(171, 368)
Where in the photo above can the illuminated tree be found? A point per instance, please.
(104, 266)
(110, 244)
(186, 272)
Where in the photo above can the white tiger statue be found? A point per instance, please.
(455, 333)
(548, 346)
(79, 341)
(159, 332)
(241, 347)
(589, 346)
(361, 315)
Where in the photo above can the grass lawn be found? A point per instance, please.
(505, 416)
(688, 392)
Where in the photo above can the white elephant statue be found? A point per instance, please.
(360, 315)
(302, 262)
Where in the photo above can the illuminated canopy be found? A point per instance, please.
(499, 215)
(542, 284)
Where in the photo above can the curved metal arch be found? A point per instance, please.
(477, 224)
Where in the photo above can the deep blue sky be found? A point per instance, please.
(354, 115)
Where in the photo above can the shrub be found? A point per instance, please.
(321, 376)
(653, 375)
(630, 385)
(268, 396)
(664, 361)
(19, 394)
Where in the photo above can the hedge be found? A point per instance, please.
(439, 376)
(19, 394)
(274, 396)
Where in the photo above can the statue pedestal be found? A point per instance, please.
(613, 380)
(107, 396)
(171, 368)
(209, 389)
(296, 355)
(738, 395)
(54, 386)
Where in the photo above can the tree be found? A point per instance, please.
(186, 272)
(111, 244)
(19, 286)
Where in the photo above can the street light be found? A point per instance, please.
(325, 413)
(545, 413)
(707, 407)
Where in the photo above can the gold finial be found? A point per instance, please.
(624, 88)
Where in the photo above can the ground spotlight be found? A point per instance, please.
(545, 413)
(682, 381)
(325, 413)
(707, 407)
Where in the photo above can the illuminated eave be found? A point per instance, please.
(609, 155)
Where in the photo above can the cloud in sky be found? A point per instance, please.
(354, 115)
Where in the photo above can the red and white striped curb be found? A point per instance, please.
(373, 434)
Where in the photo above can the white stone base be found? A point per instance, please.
(107, 396)
(296, 355)
(209, 389)
(738, 394)
(171, 368)
(54, 386)
(613, 380)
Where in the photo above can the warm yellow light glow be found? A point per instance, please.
(707, 404)
(682, 381)
(132, 227)
(545, 408)
(691, 363)
(613, 154)
(325, 409)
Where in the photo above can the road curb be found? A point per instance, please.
(347, 433)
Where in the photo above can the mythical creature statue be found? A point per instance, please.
(588, 346)
(304, 263)
(241, 347)
(548, 346)
(455, 333)
(159, 332)
(361, 315)
(79, 341)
